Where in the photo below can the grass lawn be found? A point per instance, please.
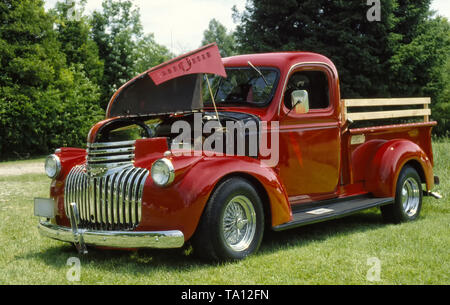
(334, 252)
(25, 161)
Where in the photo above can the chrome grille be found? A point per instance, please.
(109, 202)
(101, 157)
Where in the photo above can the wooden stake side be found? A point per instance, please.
(376, 115)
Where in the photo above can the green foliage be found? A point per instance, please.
(44, 104)
(57, 71)
(76, 42)
(217, 32)
(421, 68)
(333, 28)
(116, 31)
(402, 55)
(440, 87)
(150, 54)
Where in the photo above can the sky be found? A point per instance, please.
(179, 24)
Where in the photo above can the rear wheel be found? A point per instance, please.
(232, 224)
(408, 198)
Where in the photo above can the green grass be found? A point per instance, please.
(24, 161)
(334, 252)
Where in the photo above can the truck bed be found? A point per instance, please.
(374, 136)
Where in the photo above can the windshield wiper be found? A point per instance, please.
(258, 71)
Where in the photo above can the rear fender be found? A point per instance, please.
(390, 158)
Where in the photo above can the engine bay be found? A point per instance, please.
(185, 131)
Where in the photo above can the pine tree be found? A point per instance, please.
(337, 29)
(404, 54)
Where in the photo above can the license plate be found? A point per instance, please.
(44, 207)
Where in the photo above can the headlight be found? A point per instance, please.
(52, 166)
(163, 172)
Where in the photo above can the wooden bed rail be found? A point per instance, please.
(376, 115)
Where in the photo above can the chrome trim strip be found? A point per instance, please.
(116, 165)
(140, 194)
(123, 150)
(128, 208)
(97, 202)
(115, 239)
(112, 198)
(110, 144)
(92, 160)
(137, 199)
(104, 202)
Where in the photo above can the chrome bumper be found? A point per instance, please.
(116, 239)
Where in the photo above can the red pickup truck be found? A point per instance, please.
(266, 142)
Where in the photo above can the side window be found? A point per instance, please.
(316, 85)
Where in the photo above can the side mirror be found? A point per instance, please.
(300, 101)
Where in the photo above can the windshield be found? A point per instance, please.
(243, 86)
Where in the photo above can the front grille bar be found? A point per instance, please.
(110, 154)
(109, 202)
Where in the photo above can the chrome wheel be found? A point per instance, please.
(410, 196)
(239, 223)
(232, 224)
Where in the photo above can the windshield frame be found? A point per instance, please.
(209, 103)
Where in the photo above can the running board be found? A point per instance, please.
(331, 209)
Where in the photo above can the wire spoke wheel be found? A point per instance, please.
(239, 223)
(232, 225)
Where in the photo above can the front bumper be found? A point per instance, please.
(115, 239)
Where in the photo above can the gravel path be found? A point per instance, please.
(21, 169)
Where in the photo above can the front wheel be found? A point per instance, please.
(232, 224)
(408, 198)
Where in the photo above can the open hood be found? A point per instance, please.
(174, 86)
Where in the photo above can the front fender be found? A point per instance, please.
(180, 206)
(383, 172)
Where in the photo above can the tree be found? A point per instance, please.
(401, 55)
(116, 30)
(76, 43)
(337, 29)
(150, 54)
(43, 103)
(433, 48)
(217, 32)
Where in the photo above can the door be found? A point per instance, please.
(310, 138)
